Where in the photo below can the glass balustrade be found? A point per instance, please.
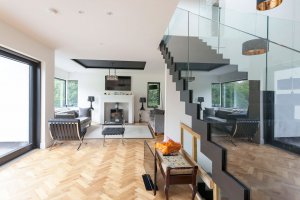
(216, 49)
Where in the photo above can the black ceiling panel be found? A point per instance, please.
(112, 64)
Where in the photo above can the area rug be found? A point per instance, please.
(131, 132)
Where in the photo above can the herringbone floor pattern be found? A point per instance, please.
(271, 173)
(112, 172)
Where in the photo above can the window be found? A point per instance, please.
(216, 94)
(72, 93)
(59, 93)
(153, 100)
(65, 93)
(231, 95)
(20, 86)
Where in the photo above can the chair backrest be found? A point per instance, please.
(64, 129)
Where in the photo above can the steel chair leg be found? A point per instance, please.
(79, 145)
(53, 144)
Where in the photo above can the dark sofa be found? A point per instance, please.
(219, 119)
(83, 115)
(157, 121)
(236, 124)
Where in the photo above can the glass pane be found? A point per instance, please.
(153, 95)
(284, 82)
(59, 93)
(235, 94)
(228, 95)
(14, 86)
(216, 94)
(73, 93)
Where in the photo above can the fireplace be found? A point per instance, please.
(108, 102)
(116, 115)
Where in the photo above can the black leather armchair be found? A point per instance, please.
(244, 128)
(66, 129)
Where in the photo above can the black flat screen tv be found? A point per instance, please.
(122, 84)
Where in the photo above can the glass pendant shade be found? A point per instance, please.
(267, 4)
(255, 47)
(112, 77)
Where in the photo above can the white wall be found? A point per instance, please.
(93, 84)
(202, 87)
(60, 73)
(174, 109)
(15, 40)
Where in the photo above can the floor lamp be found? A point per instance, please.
(142, 100)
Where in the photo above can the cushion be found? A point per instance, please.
(83, 119)
(175, 162)
(84, 112)
(217, 119)
(65, 115)
(209, 112)
(222, 114)
(158, 111)
(168, 147)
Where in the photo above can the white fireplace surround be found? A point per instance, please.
(129, 99)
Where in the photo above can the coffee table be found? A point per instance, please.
(113, 130)
(112, 124)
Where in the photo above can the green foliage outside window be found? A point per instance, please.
(233, 94)
(153, 100)
(72, 93)
(65, 93)
(216, 94)
(59, 93)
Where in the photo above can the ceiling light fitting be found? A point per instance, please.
(263, 5)
(112, 77)
(53, 11)
(255, 47)
(109, 13)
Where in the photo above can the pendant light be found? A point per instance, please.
(112, 77)
(263, 5)
(255, 47)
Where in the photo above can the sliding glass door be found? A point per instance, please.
(19, 105)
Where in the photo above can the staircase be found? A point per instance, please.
(230, 186)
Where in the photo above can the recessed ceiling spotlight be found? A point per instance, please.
(53, 11)
(109, 13)
(80, 12)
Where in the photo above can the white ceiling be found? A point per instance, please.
(132, 32)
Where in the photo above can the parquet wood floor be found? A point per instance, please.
(271, 173)
(112, 172)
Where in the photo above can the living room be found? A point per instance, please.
(195, 53)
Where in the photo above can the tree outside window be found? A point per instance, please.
(59, 93)
(153, 94)
(216, 94)
(65, 93)
(231, 95)
(72, 93)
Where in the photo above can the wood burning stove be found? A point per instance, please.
(116, 115)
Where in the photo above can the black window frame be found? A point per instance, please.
(34, 103)
(222, 91)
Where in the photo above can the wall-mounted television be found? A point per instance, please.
(122, 84)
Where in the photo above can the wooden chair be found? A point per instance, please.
(178, 171)
(66, 129)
